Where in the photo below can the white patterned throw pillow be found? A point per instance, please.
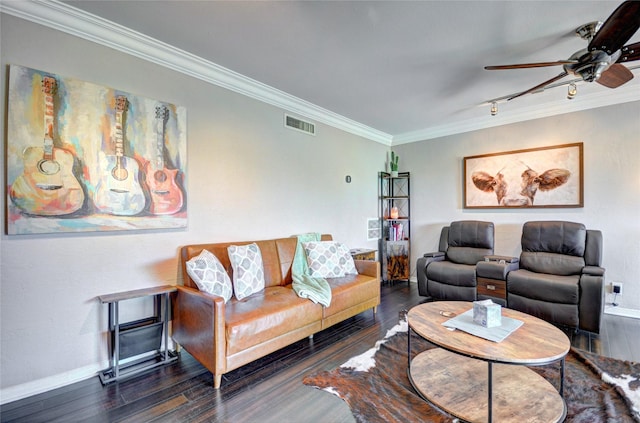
(346, 260)
(248, 270)
(326, 259)
(208, 273)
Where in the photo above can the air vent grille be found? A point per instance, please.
(299, 125)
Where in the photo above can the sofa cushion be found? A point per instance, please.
(564, 314)
(542, 287)
(350, 291)
(556, 264)
(471, 233)
(554, 237)
(467, 255)
(444, 291)
(208, 273)
(270, 251)
(469, 241)
(455, 274)
(248, 270)
(273, 312)
(325, 259)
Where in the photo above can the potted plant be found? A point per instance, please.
(393, 164)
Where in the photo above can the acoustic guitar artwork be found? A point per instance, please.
(166, 195)
(118, 191)
(47, 186)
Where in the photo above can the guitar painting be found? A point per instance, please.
(47, 186)
(118, 191)
(166, 195)
(85, 157)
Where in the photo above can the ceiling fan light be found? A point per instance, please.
(572, 91)
(587, 31)
(494, 108)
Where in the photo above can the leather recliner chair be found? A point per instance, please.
(560, 279)
(450, 273)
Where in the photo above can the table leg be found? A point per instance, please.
(165, 324)
(116, 342)
(409, 347)
(562, 378)
(490, 394)
(112, 346)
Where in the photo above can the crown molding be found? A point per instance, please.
(583, 102)
(68, 19)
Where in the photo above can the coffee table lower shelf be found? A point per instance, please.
(458, 385)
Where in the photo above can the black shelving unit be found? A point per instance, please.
(394, 197)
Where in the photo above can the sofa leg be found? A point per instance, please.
(375, 310)
(217, 381)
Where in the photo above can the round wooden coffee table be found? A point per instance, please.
(479, 380)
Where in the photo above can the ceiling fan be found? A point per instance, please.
(602, 60)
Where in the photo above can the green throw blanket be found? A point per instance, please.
(315, 289)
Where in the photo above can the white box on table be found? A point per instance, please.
(487, 313)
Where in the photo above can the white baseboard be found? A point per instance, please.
(35, 387)
(622, 311)
(24, 390)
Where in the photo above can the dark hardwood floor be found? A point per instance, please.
(268, 390)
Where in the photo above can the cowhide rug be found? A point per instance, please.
(376, 387)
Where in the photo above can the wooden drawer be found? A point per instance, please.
(492, 287)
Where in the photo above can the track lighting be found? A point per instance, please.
(494, 108)
(572, 91)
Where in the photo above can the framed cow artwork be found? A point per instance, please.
(532, 178)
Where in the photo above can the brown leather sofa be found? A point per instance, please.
(224, 337)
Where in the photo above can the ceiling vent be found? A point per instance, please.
(299, 125)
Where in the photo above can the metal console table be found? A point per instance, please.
(136, 338)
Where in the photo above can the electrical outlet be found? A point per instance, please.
(616, 288)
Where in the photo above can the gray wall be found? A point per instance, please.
(249, 178)
(611, 137)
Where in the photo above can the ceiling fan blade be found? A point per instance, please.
(537, 87)
(629, 53)
(618, 28)
(615, 76)
(531, 65)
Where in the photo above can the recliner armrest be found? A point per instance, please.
(421, 270)
(591, 299)
(433, 257)
(593, 270)
(495, 269)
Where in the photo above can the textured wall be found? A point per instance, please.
(249, 178)
(611, 137)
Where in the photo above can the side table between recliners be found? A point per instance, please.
(491, 276)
